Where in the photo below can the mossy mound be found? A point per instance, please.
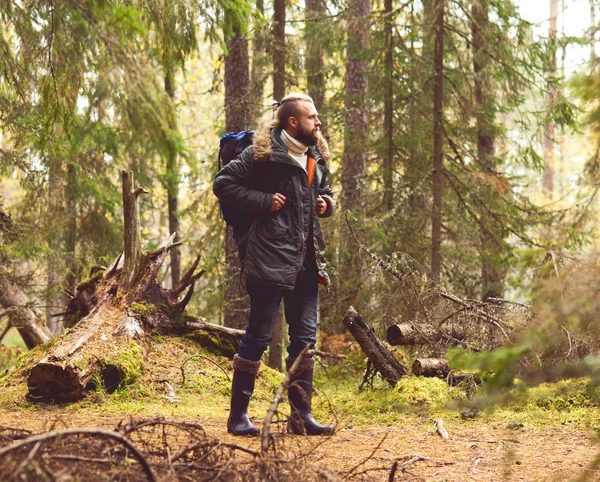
(215, 344)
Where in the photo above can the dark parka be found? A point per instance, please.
(273, 251)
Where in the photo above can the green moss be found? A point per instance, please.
(562, 396)
(213, 343)
(144, 309)
(124, 368)
(91, 280)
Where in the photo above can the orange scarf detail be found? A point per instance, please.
(311, 164)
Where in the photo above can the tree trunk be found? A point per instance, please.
(113, 312)
(315, 75)
(279, 52)
(279, 75)
(492, 235)
(276, 349)
(356, 136)
(438, 142)
(172, 181)
(55, 261)
(549, 155)
(390, 369)
(237, 118)
(354, 160)
(258, 77)
(388, 109)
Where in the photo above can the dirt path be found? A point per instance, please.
(475, 452)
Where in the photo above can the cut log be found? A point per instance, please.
(382, 360)
(404, 334)
(113, 313)
(431, 367)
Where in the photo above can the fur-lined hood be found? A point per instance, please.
(263, 144)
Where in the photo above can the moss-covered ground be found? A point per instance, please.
(553, 417)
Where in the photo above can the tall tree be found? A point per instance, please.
(279, 85)
(438, 142)
(492, 249)
(237, 118)
(258, 77)
(356, 147)
(315, 74)
(388, 110)
(549, 144)
(279, 49)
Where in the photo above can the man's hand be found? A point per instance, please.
(277, 202)
(321, 206)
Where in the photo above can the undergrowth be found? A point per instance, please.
(202, 390)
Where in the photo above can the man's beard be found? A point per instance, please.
(307, 137)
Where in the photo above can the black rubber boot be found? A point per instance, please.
(301, 421)
(244, 375)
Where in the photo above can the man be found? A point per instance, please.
(281, 180)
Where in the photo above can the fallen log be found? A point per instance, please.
(382, 360)
(112, 314)
(431, 367)
(404, 334)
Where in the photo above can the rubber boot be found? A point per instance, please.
(301, 421)
(242, 386)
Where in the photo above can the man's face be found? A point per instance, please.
(308, 123)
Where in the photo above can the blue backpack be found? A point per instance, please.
(231, 146)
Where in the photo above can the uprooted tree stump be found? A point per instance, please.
(111, 314)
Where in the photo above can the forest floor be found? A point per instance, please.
(541, 434)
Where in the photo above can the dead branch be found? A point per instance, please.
(384, 362)
(324, 354)
(35, 439)
(349, 473)
(182, 368)
(275, 403)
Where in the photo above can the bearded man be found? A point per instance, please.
(281, 180)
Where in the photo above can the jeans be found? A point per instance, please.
(300, 305)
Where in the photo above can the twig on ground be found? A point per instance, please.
(367, 459)
(182, 368)
(84, 431)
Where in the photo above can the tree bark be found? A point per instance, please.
(258, 76)
(549, 154)
(113, 312)
(237, 118)
(279, 81)
(390, 369)
(315, 74)
(438, 143)
(492, 235)
(354, 159)
(356, 136)
(388, 108)
(172, 180)
(279, 49)
(405, 335)
(431, 367)
(276, 349)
